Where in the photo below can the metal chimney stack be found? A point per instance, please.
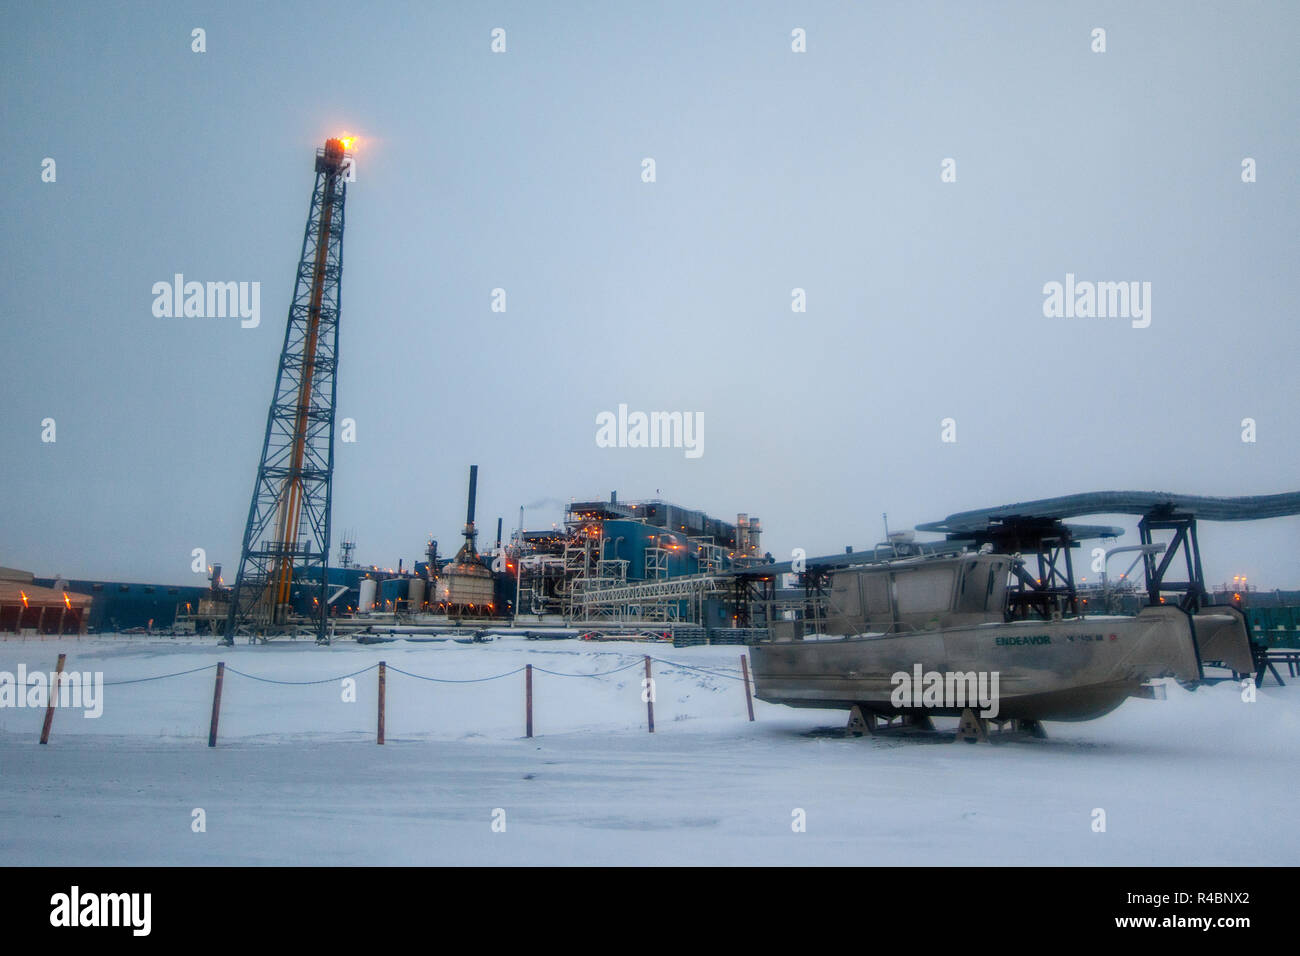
(473, 494)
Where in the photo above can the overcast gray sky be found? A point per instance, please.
(775, 170)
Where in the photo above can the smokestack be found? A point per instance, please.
(473, 493)
(498, 534)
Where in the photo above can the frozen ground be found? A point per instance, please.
(1199, 778)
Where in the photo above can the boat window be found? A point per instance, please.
(974, 592)
(998, 583)
(925, 591)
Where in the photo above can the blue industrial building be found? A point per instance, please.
(122, 606)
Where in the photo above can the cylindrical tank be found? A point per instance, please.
(415, 594)
(368, 588)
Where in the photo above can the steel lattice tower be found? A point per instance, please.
(287, 538)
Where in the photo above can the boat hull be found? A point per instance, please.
(1070, 669)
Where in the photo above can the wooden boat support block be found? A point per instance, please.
(972, 729)
(860, 723)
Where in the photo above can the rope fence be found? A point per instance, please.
(647, 686)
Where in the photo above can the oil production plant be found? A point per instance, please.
(621, 567)
(650, 561)
(648, 568)
(613, 567)
(651, 568)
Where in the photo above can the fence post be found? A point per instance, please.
(54, 697)
(528, 698)
(744, 673)
(649, 695)
(216, 703)
(382, 680)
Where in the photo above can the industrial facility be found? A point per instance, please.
(612, 562)
(612, 568)
(643, 562)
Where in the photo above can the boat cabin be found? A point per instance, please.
(916, 594)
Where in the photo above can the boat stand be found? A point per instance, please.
(975, 729)
(972, 728)
(866, 722)
(860, 723)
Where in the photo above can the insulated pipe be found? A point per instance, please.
(1154, 504)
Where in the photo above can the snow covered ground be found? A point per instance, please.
(1200, 778)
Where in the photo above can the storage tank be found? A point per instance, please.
(368, 588)
(415, 594)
